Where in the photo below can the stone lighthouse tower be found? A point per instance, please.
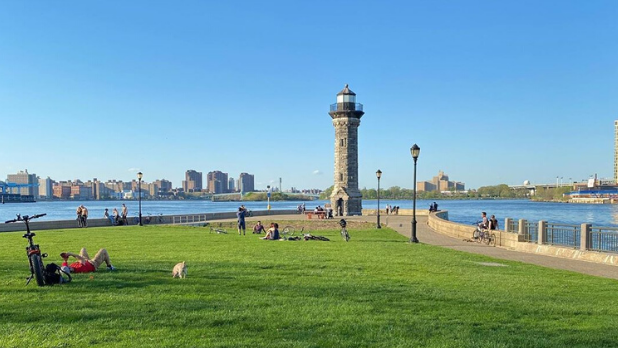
(346, 199)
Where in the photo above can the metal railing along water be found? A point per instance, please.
(603, 239)
(565, 235)
(513, 226)
(186, 219)
(531, 234)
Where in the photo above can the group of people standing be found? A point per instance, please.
(392, 210)
(116, 218)
(82, 216)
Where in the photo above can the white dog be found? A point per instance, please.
(180, 270)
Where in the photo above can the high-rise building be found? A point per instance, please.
(62, 190)
(440, 183)
(29, 182)
(46, 189)
(246, 183)
(193, 181)
(217, 182)
(231, 187)
(160, 188)
(346, 198)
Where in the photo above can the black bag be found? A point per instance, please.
(53, 274)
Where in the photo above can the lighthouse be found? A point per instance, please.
(346, 198)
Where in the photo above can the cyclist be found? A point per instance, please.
(84, 263)
(484, 223)
(493, 223)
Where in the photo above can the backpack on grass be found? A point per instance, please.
(53, 274)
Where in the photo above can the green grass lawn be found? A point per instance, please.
(374, 291)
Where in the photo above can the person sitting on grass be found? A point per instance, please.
(84, 263)
(273, 232)
(259, 228)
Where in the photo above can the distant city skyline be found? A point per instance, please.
(216, 183)
(492, 92)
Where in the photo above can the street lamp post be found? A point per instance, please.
(139, 194)
(415, 151)
(379, 175)
(268, 197)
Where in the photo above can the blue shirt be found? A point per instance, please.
(241, 216)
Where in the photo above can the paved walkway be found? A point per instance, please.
(403, 225)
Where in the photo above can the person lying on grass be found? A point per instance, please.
(273, 232)
(84, 263)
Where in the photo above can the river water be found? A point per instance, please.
(463, 211)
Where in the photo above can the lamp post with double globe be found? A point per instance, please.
(415, 151)
(379, 175)
(139, 195)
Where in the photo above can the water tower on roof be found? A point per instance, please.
(346, 199)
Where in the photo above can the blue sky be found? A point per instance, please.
(492, 91)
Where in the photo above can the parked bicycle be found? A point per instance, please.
(35, 257)
(148, 219)
(218, 230)
(289, 232)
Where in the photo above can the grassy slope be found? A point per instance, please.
(375, 291)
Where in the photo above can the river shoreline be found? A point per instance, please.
(462, 211)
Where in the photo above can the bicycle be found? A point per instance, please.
(216, 230)
(344, 231)
(35, 257)
(289, 232)
(483, 235)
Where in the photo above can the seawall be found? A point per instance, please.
(165, 219)
(439, 223)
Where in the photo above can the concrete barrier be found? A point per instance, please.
(405, 212)
(439, 223)
(38, 225)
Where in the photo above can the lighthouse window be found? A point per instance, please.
(344, 142)
(340, 176)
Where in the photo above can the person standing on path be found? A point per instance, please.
(79, 216)
(125, 212)
(115, 216)
(84, 216)
(241, 220)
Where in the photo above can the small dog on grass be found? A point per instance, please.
(180, 270)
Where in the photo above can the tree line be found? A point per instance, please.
(396, 192)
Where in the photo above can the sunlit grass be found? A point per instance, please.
(375, 291)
